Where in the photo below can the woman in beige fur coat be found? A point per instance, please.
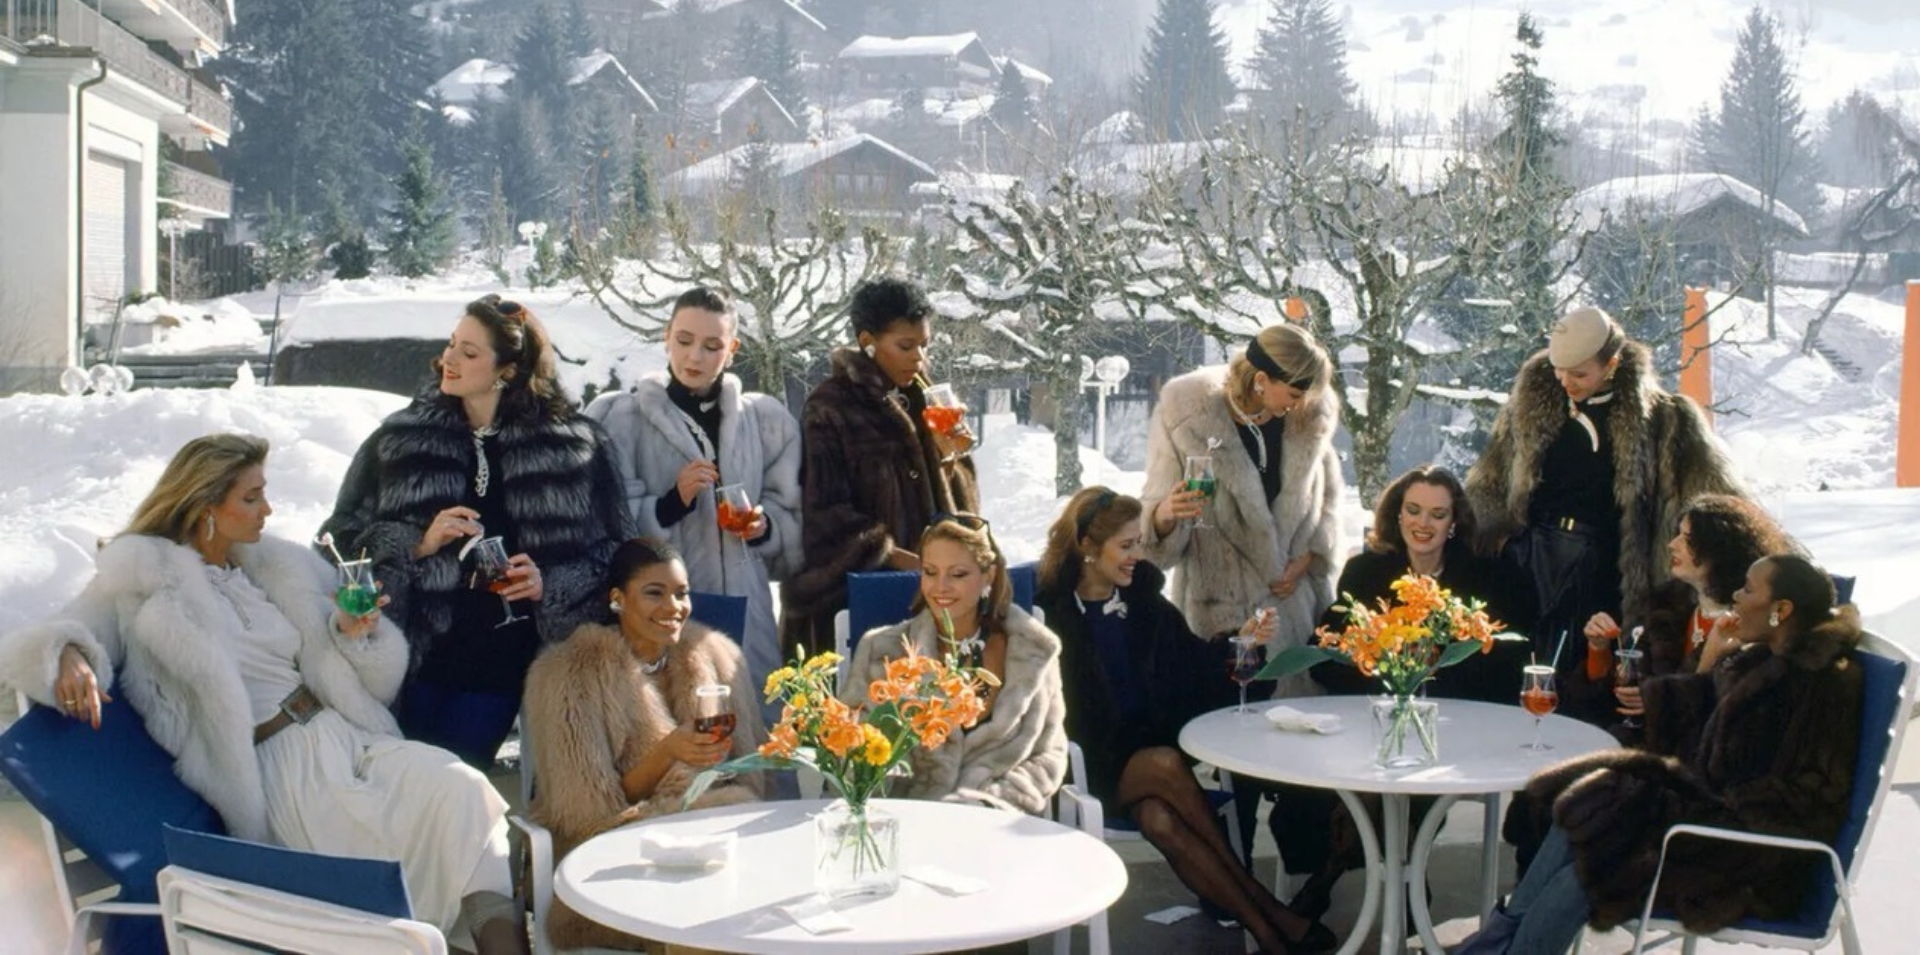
(610, 713)
(1016, 756)
(1273, 534)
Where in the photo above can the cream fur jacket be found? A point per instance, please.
(1017, 759)
(592, 713)
(1221, 573)
(151, 618)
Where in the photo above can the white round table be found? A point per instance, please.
(1041, 877)
(1480, 755)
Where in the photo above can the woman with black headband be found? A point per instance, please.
(1133, 675)
(1589, 466)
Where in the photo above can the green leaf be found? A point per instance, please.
(1294, 660)
(1457, 651)
(750, 763)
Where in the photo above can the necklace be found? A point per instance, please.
(483, 475)
(656, 666)
(1253, 427)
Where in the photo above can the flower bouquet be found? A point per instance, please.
(1402, 642)
(920, 703)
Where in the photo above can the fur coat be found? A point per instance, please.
(556, 477)
(1221, 573)
(1664, 455)
(151, 617)
(1015, 760)
(872, 481)
(592, 713)
(1764, 743)
(759, 449)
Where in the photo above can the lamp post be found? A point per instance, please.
(532, 232)
(173, 228)
(1103, 379)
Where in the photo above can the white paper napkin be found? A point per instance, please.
(943, 881)
(1301, 721)
(692, 852)
(1169, 916)
(816, 915)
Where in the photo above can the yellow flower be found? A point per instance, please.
(776, 678)
(821, 662)
(798, 702)
(877, 750)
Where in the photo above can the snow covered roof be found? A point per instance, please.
(967, 187)
(1028, 73)
(786, 158)
(711, 6)
(706, 103)
(472, 81)
(883, 47)
(599, 61)
(1127, 169)
(1675, 196)
(1119, 129)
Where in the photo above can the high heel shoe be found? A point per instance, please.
(1316, 896)
(1318, 940)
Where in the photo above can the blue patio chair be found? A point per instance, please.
(217, 891)
(882, 597)
(109, 793)
(1886, 705)
(722, 612)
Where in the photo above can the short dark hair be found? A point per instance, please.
(636, 555)
(1385, 537)
(703, 298)
(880, 303)
(1727, 534)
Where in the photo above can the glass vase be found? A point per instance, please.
(1406, 732)
(856, 851)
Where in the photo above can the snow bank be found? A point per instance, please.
(222, 325)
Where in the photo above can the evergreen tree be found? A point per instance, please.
(496, 231)
(1301, 62)
(753, 176)
(1759, 134)
(1853, 149)
(638, 198)
(747, 53)
(520, 146)
(541, 64)
(1183, 87)
(581, 38)
(781, 71)
(1524, 154)
(1012, 104)
(345, 241)
(420, 237)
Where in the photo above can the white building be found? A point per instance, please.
(88, 90)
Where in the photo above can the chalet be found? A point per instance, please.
(863, 175)
(481, 80)
(1714, 222)
(722, 114)
(957, 61)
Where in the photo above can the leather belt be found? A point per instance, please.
(1572, 526)
(299, 707)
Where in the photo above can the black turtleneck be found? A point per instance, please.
(1576, 473)
(704, 411)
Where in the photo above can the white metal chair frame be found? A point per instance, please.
(204, 913)
(1842, 921)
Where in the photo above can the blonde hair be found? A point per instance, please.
(198, 478)
(980, 546)
(1292, 348)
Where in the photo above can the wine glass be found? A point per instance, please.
(1539, 697)
(1628, 670)
(1246, 663)
(357, 595)
(713, 711)
(946, 416)
(735, 512)
(1199, 477)
(490, 562)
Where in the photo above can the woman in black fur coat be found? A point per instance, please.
(1764, 742)
(873, 476)
(493, 449)
(1134, 674)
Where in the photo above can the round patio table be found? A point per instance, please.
(1041, 877)
(1480, 755)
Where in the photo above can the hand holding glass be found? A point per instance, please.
(1540, 699)
(1199, 477)
(713, 711)
(1628, 671)
(358, 596)
(491, 566)
(1246, 663)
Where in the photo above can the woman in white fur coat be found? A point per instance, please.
(272, 702)
(1016, 756)
(681, 433)
(1273, 535)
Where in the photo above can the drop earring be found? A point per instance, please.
(209, 534)
(1773, 619)
(868, 349)
(499, 384)
(614, 605)
(1451, 530)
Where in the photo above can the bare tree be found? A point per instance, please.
(1891, 214)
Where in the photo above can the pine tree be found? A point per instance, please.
(1183, 87)
(345, 241)
(1759, 134)
(1301, 61)
(520, 144)
(638, 199)
(541, 65)
(747, 53)
(781, 71)
(754, 176)
(582, 40)
(420, 237)
(1012, 104)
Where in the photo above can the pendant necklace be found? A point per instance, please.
(483, 475)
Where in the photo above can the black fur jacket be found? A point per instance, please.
(1763, 743)
(871, 480)
(1664, 455)
(559, 484)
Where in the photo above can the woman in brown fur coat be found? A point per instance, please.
(872, 475)
(610, 713)
(1765, 742)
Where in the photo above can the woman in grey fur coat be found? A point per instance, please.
(495, 449)
(1585, 476)
(683, 432)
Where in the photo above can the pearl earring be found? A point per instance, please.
(868, 349)
(614, 606)
(1773, 619)
(209, 526)
(1450, 532)
(499, 384)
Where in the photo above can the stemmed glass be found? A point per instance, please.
(1539, 697)
(945, 415)
(1628, 670)
(1246, 663)
(357, 595)
(1199, 477)
(735, 513)
(713, 710)
(490, 557)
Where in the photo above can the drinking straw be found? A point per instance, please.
(326, 540)
(1562, 645)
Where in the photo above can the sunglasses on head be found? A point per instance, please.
(972, 522)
